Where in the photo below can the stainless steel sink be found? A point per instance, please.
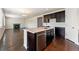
(46, 27)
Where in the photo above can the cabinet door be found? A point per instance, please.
(49, 36)
(46, 19)
(60, 32)
(52, 16)
(60, 16)
(41, 41)
(31, 41)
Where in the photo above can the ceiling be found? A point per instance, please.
(27, 12)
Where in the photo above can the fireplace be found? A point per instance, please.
(16, 26)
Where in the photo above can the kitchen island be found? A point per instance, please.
(37, 39)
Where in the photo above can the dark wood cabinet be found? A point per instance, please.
(60, 16)
(51, 16)
(49, 36)
(31, 41)
(40, 40)
(48, 17)
(60, 32)
(36, 41)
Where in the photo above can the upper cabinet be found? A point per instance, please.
(60, 16)
(51, 16)
(48, 17)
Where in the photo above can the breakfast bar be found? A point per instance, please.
(37, 39)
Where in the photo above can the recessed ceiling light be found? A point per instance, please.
(15, 16)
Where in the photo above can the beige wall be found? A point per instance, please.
(11, 21)
(1, 17)
(31, 23)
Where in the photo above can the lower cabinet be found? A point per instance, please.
(39, 41)
(31, 41)
(49, 36)
(60, 32)
(36, 41)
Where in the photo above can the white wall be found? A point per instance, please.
(31, 23)
(72, 26)
(1, 17)
(11, 21)
(53, 23)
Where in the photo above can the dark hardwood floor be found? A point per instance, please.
(13, 41)
(60, 44)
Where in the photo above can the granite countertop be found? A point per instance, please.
(39, 29)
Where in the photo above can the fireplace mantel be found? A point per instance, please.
(16, 26)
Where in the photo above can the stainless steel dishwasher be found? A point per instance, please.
(41, 41)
